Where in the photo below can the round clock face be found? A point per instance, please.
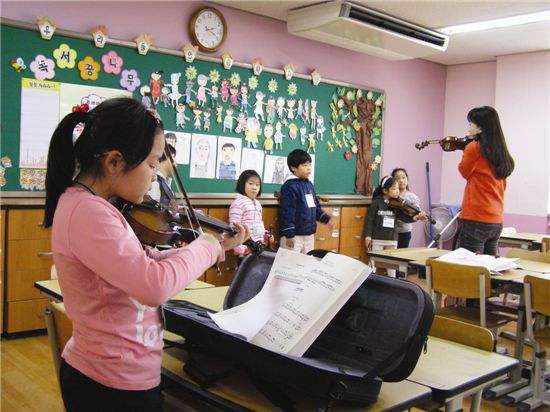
(208, 29)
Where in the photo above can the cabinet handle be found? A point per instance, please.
(359, 216)
(44, 254)
(358, 237)
(321, 239)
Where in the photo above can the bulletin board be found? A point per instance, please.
(333, 141)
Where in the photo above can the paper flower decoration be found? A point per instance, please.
(89, 68)
(143, 42)
(46, 27)
(214, 76)
(289, 71)
(43, 68)
(272, 85)
(227, 60)
(292, 89)
(253, 83)
(112, 62)
(235, 79)
(100, 35)
(65, 57)
(315, 77)
(191, 73)
(190, 52)
(129, 80)
(257, 66)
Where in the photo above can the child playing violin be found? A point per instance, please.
(404, 229)
(112, 288)
(380, 225)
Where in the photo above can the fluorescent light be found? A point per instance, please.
(497, 23)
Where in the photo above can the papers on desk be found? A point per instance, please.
(300, 297)
(465, 257)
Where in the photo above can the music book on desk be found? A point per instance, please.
(298, 300)
(463, 256)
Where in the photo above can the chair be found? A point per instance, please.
(465, 334)
(463, 282)
(545, 244)
(537, 302)
(60, 329)
(529, 255)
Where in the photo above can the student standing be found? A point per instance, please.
(299, 209)
(485, 164)
(247, 210)
(404, 229)
(161, 189)
(380, 225)
(112, 288)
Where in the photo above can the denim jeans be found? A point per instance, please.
(403, 240)
(480, 237)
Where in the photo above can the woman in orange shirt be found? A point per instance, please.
(485, 164)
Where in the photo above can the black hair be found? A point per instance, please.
(231, 145)
(385, 183)
(121, 124)
(491, 140)
(296, 158)
(243, 178)
(400, 169)
(171, 149)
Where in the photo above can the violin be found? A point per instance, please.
(448, 144)
(157, 225)
(407, 208)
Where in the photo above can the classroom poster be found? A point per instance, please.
(228, 165)
(182, 145)
(203, 156)
(253, 159)
(71, 95)
(276, 170)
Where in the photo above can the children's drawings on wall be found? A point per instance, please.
(203, 156)
(182, 143)
(229, 158)
(253, 159)
(276, 170)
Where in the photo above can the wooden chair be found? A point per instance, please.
(545, 244)
(465, 334)
(60, 329)
(537, 302)
(464, 282)
(529, 255)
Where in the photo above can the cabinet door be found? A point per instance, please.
(227, 271)
(354, 216)
(2, 248)
(270, 217)
(27, 224)
(351, 237)
(26, 315)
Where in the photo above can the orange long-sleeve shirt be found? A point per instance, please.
(484, 194)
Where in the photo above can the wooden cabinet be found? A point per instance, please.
(29, 259)
(325, 238)
(352, 232)
(228, 267)
(2, 249)
(270, 217)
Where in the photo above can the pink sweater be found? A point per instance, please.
(248, 212)
(112, 290)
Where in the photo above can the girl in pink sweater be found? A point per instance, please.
(112, 288)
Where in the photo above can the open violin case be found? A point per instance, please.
(377, 336)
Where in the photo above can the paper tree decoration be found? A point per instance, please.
(315, 77)
(227, 60)
(46, 27)
(289, 71)
(190, 52)
(100, 35)
(143, 42)
(257, 66)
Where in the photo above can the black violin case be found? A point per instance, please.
(377, 336)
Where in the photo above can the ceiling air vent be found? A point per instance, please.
(358, 28)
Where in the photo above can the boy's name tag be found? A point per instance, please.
(388, 221)
(310, 201)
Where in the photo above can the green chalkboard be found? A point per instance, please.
(334, 174)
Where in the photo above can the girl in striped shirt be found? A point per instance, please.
(247, 210)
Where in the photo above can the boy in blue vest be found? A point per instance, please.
(299, 209)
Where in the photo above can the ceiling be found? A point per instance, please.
(463, 48)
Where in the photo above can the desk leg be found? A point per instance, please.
(516, 381)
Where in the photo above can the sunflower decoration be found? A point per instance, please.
(272, 85)
(190, 72)
(253, 82)
(292, 89)
(214, 76)
(235, 79)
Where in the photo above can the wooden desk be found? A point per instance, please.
(530, 241)
(401, 259)
(209, 298)
(51, 288)
(453, 370)
(237, 393)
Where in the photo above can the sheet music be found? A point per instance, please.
(300, 297)
(463, 256)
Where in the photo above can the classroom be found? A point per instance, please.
(239, 85)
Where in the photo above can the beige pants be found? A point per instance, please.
(302, 243)
(383, 245)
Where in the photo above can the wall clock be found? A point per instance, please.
(208, 29)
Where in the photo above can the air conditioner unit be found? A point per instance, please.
(358, 28)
